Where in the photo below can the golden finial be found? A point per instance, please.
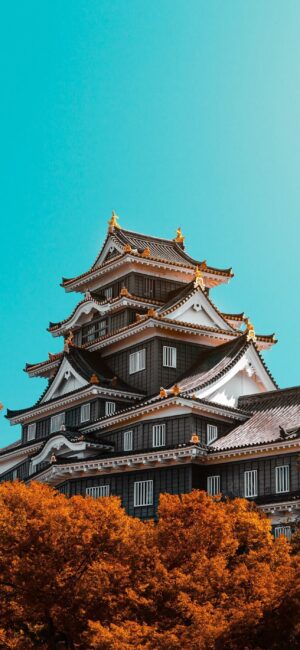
(69, 341)
(198, 279)
(179, 236)
(152, 312)
(146, 252)
(251, 336)
(163, 393)
(195, 439)
(113, 222)
(94, 379)
(124, 291)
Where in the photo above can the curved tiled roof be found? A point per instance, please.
(212, 364)
(161, 250)
(274, 413)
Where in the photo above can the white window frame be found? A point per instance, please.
(58, 416)
(250, 483)
(128, 440)
(211, 433)
(282, 478)
(85, 412)
(137, 361)
(98, 491)
(169, 356)
(142, 493)
(214, 485)
(31, 431)
(108, 292)
(283, 530)
(110, 408)
(158, 435)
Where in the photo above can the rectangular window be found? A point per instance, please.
(211, 433)
(250, 483)
(137, 361)
(31, 431)
(110, 408)
(108, 292)
(169, 356)
(143, 493)
(149, 287)
(283, 530)
(56, 422)
(15, 475)
(85, 412)
(159, 435)
(97, 491)
(128, 441)
(282, 478)
(213, 485)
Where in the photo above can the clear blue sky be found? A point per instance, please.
(170, 112)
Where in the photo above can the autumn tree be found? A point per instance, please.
(79, 573)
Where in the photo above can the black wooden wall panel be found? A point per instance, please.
(174, 480)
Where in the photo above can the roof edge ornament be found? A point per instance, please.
(251, 336)
(179, 239)
(198, 279)
(113, 222)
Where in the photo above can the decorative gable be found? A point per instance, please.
(198, 310)
(247, 377)
(111, 248)
(66, 381)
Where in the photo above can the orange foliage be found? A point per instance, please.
(79, 573)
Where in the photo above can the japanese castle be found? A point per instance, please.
(156, 390)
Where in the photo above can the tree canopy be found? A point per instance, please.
(79, 573)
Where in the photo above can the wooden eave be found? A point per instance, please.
(157, 404)
(114, 304)
(82, 282)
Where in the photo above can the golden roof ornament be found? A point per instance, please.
(1, 406)
(251, 336)
(113, 222)
(124, 291)
(69, 341)
(198, 279)
(163, 393)
(127, 248)
(175, 390)
(94, 379)
(146, 252)
(152, 312)
(179, 236)
(195, 439)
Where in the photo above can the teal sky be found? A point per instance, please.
(170, 112)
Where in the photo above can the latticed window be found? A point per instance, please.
(149, 287)
(85, 412)
(283, 530)
(94, 330)
(211, 433)
(282, 478)
(128, 440)
(213, 485)
(31, 431)
(169, 356)
(98, 491)
(56, 422)
(143, 493)
(108, 292)
(110, 408)
(250, 483)
(158, 435)
(137, 361)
